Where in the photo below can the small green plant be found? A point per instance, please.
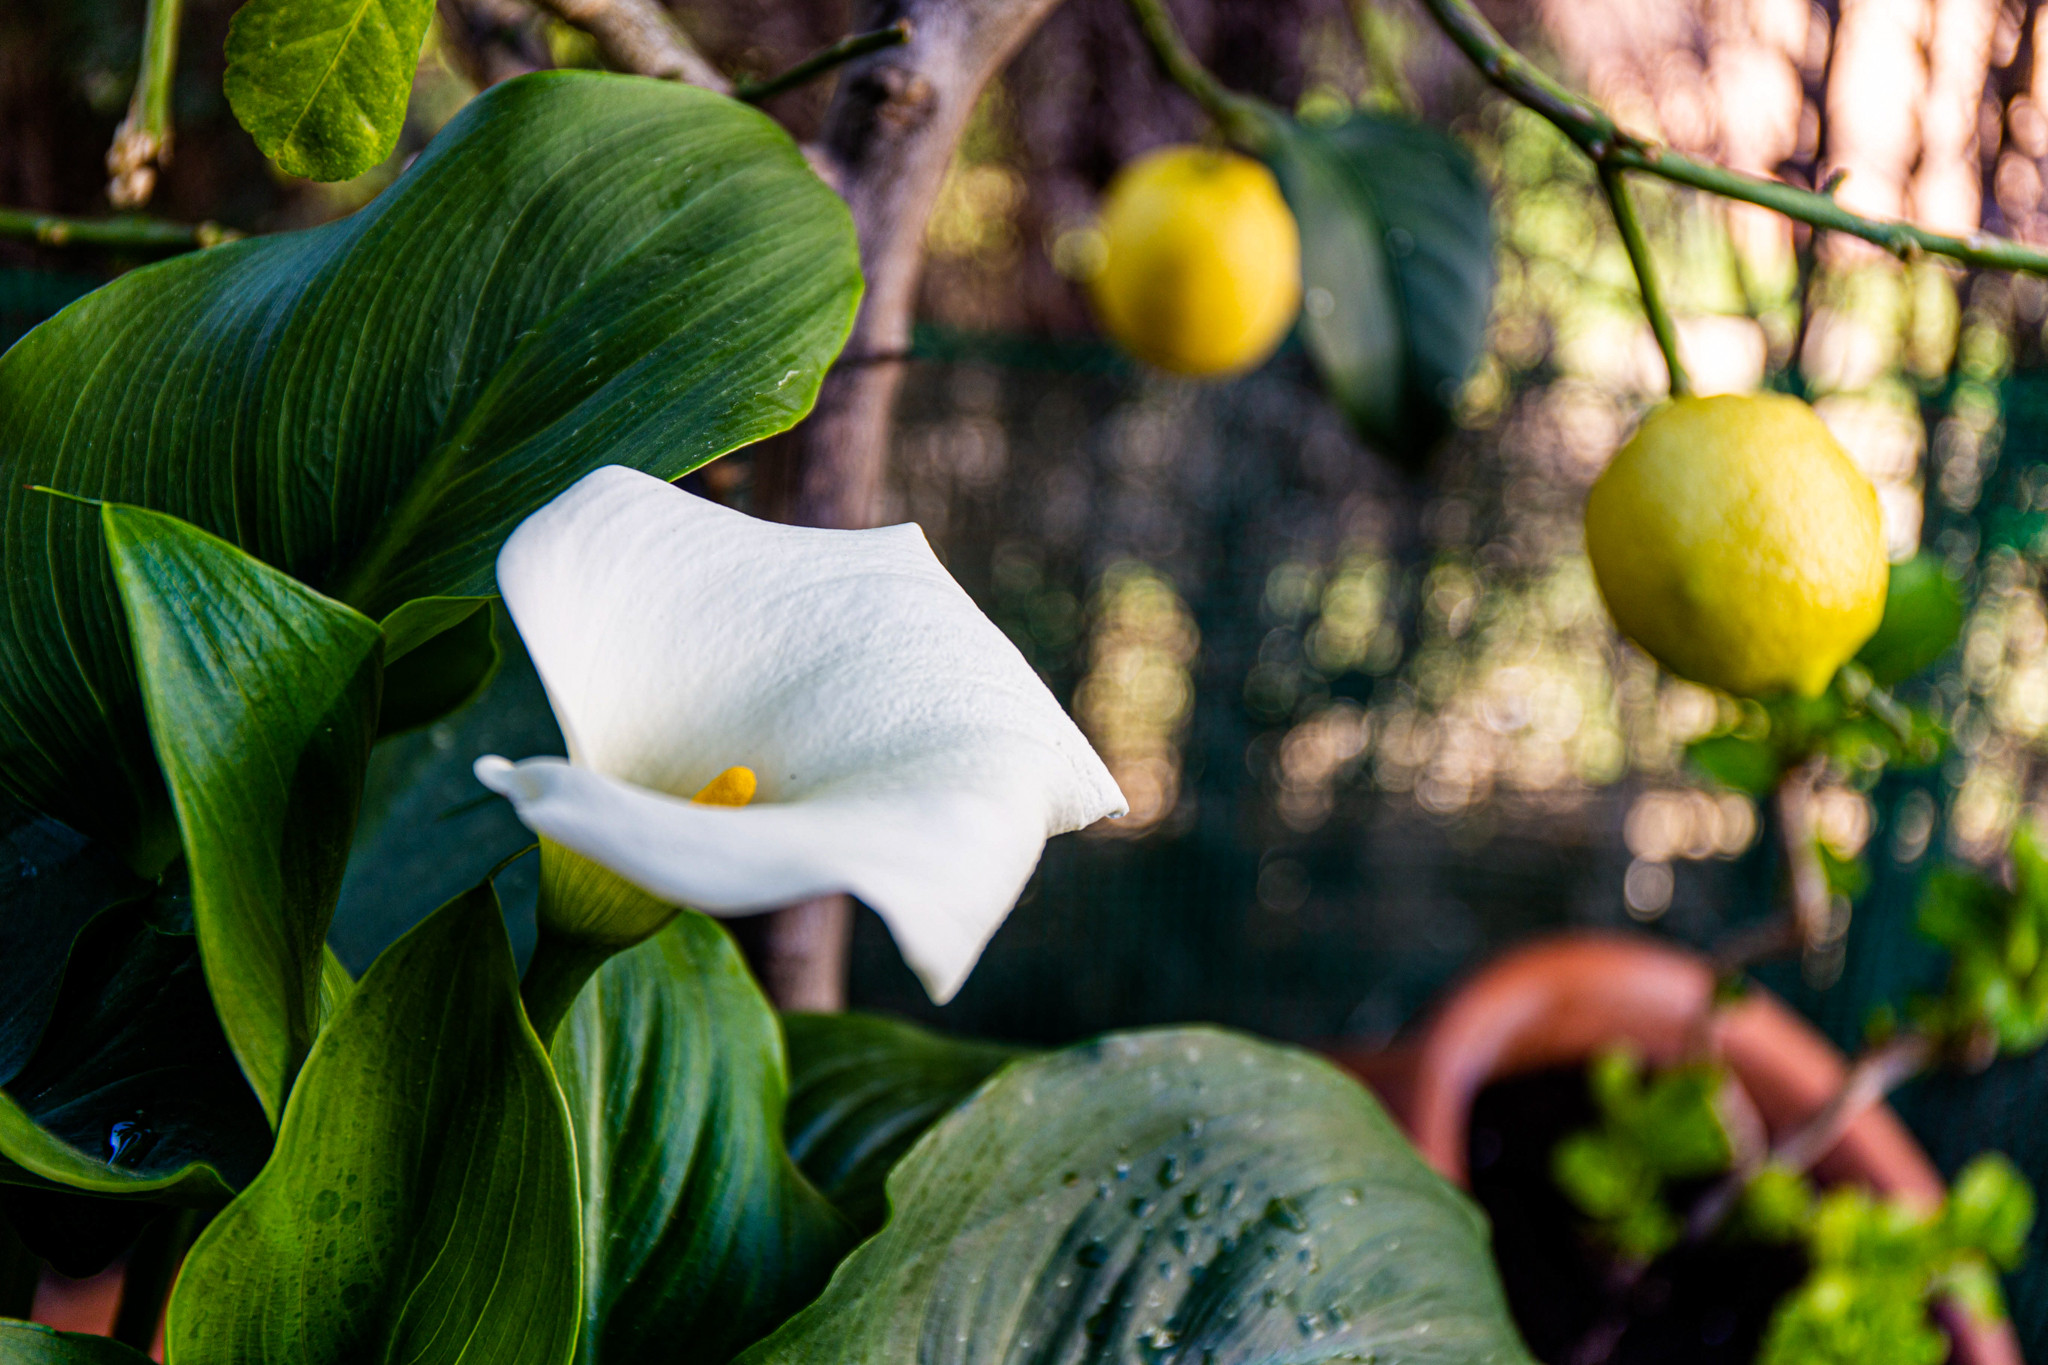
(1876, 1264)
(1996, 999)
(1653, 1132)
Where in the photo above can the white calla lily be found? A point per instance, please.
(905, 752)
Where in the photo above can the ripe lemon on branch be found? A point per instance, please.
(1201, 268)
(1736, 542)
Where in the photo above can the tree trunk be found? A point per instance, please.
(888, 139)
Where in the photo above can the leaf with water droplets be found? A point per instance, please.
(421, 1204)
(1277, 1249)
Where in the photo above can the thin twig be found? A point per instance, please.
(1638, 247)
(818, 63)
(1806, 876)
(1595, 131)
(1243, 120)
(640, 37)
(131, 234)
(143, 140)
(1873, 1076)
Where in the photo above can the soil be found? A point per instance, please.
(1707, 1303)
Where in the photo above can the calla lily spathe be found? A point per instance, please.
(905, 751)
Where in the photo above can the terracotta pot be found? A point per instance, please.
(1560, 1000)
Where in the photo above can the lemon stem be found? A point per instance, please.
(1245, 121)
(1638, 247)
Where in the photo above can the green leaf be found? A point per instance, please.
(30, 1343)
(1397, 270)
(56, 880)
(322, 84)
(421, 1205)
(1923, 615)
(863, 1089)
(442, 675)
(1990, 1209)
(76, 1235)
(1744, 765)
(1179, 1194)
(133, 1090)
(582, 270)
(700, 1234)
(262, 701)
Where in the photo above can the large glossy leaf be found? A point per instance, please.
(700, 1235)
(53, 880)
(863, 1089)
(1181, 1195)
(133, 1090)
(322, 84)
(1397, 269)
(262, 702)
(581, 270)
(421, 1204)
(28, 1343)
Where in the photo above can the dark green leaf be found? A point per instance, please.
(427, 831)
(421, 1205)
(53, 880)
(442, 675)
(29, 1343)
(1923, 614)
(20, 1271)
(1183, 1194)
(134, 1090)
(322, 84)
(262, 702)
(1397, 270)
(700, 1235)
(80, 1235)
(582, 270)
(1746, 765)
(863, 1089)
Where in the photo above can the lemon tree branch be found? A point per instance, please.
(131, 233)
(1597, 134)
(144, 137)
(818, 63)
(642, 37)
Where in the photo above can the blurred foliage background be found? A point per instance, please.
(1371, 725)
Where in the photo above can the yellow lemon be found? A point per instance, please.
(1201, 267)
(1734, 540)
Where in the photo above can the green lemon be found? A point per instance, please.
(1201, 268)
(1736, 542)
